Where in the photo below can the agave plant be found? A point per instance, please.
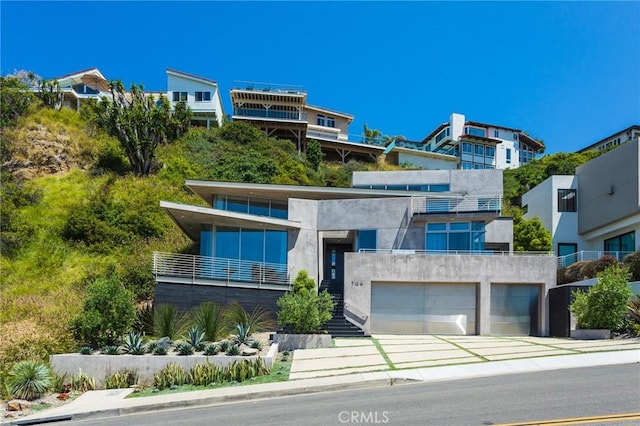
(29, 380)
(256, 344)
(233, 350)
(184, 349)
(133, 344)
(243, 331)
(169, 321)
(110, 350)
(211, 349)
(195, 338)
(224, 345)
(209, 317)
(160, 350)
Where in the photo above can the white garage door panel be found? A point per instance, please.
(401, 308)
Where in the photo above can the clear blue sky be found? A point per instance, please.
(567, 73)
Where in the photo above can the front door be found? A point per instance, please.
(334, 261)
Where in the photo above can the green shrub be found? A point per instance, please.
(133, 345)
(304, 311)
(169, 321)
(303, 282)
(633, 314)
(604, 306)
(632, 262)
(144, 319)
(257, 320)
(171, 375)
(29, 380)
(233, 350)
(108, 312)
(122, 379)
(209, 317)
(245, 369)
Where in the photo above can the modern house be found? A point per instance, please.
(202, 96)
(80, 86)
(283, 112)
(476, 145)
(595, 212)
(409, 252)
(617, 139)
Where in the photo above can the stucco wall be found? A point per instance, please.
(303, 243)
(363, 269)
(609, 186)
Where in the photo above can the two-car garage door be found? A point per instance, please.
(408, 308)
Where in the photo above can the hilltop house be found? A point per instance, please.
(202, 96)
(473, 144)
(614, 140)
(80, 86)
(409, 252)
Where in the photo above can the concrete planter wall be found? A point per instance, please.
(289, 342)
(102, 366)
(591, 334)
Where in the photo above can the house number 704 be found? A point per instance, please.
(356, 283)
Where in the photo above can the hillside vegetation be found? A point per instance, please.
(72, 211)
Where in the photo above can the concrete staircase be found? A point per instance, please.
(338, 326)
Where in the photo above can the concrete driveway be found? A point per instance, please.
(396, 352)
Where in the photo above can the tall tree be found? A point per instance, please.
(530, 235)
(314, 154)
(140, 122)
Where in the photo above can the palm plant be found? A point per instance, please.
(29, 380)
(169, 321)
(209, 317)
(257, 320)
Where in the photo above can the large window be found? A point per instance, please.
(443, 134)
(475, 131)
(479, 150)
(257, 245)
(323, 120)
(490, 152)
(256, 206)
(179, 96)
(567, 200)
(467, 148)
(624, 242)
(367, 239)
(565, 249)
(203, 96)
(455, 236)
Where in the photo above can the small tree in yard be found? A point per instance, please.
(303, 310)
(604, 306)
(107, 314)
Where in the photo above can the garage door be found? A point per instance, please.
(406, 308)
(514, 309)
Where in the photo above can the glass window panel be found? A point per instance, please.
(279, 209)
(367, 239)
(437, 241)
(252, 244)
(237, 204)
(219, 202)
(439, 188)
(467, 147)
(227, 242)
(628, 242)
(459, 226)
(275, 247)
(477, 226)
(206, 243)
(479, 150)
(565, 249)
(459, 241)
(436, 226)
(259, 207)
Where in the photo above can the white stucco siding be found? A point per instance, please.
(181, 84)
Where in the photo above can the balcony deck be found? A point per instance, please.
(205, 270)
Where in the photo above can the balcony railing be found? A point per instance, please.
(221, 270)
(458, 252)
(270, 113)
(457, 204)
(564, 261)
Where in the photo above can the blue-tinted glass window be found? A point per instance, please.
(439, 188)
(459, 226)
(436, 241)
(252, 244)
(259, 207)
(459, 241)
(490, 152)
(475, 131)
(508, 155)
(367, 239)
(237, 204)
(467, 148)
(456, 236)
(436, 227)
(275, 247)
(227, 242)
(279, 209)
(220, 202)
(479, 150)
(206, 243)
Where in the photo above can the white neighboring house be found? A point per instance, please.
(595, 212)
(202, 95)
(615, 140)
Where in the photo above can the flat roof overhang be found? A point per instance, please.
(431, 154)
(351, 146)
(189, 218)
(206, 190)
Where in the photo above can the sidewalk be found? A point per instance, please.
(581, 354)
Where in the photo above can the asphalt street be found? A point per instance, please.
(599, 394)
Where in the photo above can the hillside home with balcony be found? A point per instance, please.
(476, 145)
(283, 112)
(594, 212)
(202, 96)
(80, 86)
(617, 139)
(421, 252)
